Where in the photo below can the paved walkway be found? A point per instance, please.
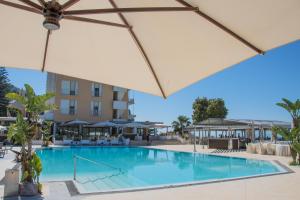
(279, 187)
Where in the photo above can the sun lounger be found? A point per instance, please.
(114, 141)
(67, 142)
(101, 142)
(85, 142)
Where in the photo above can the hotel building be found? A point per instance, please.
(79, 99)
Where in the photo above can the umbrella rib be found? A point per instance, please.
(140, 47)
(68, 4)
(19, 6)
(224, 28)
(122, 10)
(95, 21)
(32, 4)
(46, 50)
(42, 2)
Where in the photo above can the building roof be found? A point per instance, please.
(219, 123)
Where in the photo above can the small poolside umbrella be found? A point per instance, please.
(157, 46)
(75, 123)
(103, 124)
(136, 125)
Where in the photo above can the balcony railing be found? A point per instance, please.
(120, 105)
(131, 101)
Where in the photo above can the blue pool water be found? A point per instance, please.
(122, 168)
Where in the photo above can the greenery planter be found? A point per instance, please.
(28, 189)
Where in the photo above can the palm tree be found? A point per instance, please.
(27, 130)
(293, 108)
(293, 135)
(181, 123)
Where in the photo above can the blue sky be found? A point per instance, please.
(250, 89)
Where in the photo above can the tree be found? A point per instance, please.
(293, 135)
(294, 110)
(181, 123)
(200, 106)
(27, 130)
(4, 88)
(204, 108)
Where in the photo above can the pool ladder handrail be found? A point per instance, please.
(100, 164)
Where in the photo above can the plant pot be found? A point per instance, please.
(28, 189)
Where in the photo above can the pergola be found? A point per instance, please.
(233, 128)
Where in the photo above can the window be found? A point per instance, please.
(64, 106)
(115, 114)
(65, 87)
(68, 107)
(115, 96)
(96, 89)
(95, 108)
(72, 107)
(69, 87)
(73, 87)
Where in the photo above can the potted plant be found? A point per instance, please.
(24, 131)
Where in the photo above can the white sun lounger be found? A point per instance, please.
(67, 142)
(101, 142)
(84, 142)
(114, 141)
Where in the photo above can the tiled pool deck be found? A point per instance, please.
(280, 187)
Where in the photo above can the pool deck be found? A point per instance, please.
(279, 187)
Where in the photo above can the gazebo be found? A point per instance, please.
(245, 129)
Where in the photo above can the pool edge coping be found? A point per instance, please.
(187, 184)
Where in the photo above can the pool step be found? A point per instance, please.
(123, 181)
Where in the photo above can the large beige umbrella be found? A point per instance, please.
(154, 46)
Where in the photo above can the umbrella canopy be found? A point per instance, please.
(103, 124)
(75, 123)
(140, 44)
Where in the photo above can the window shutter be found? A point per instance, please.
(93, 89)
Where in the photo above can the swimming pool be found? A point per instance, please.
(126, 168)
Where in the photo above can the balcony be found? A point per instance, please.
(120, 105)
(131, 101)
(131, 117)
(119, 89)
